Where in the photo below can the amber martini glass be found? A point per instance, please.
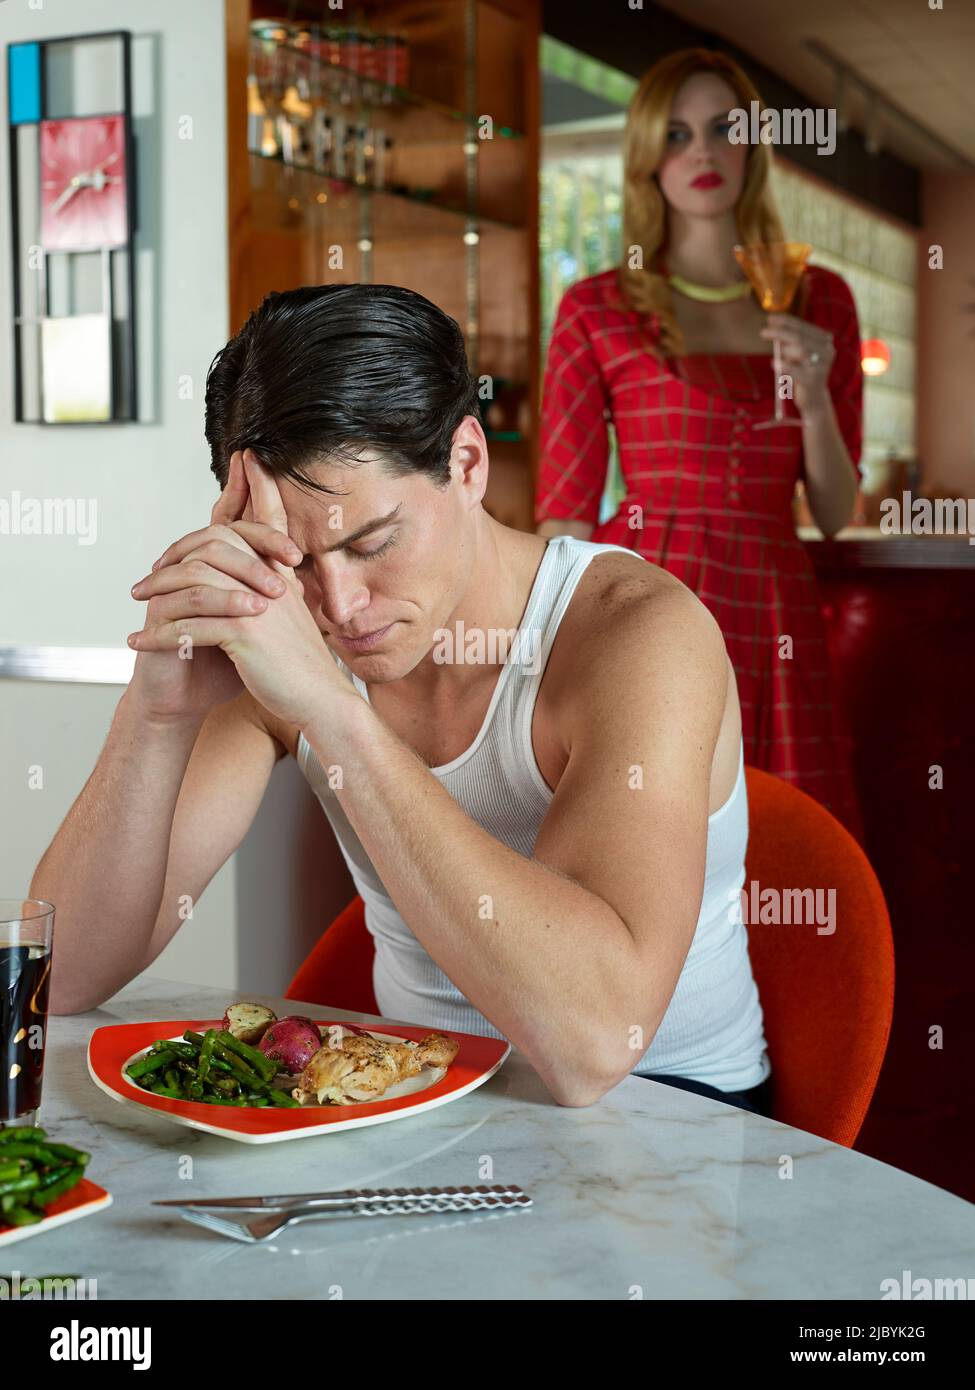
(774, 269)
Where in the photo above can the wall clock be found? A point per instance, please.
(83, 194)
(72, 170)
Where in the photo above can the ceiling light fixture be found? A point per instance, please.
(880, 110)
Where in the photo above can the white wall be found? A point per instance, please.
(151, 481)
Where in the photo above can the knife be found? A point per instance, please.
(351, 1197)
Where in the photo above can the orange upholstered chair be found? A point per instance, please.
(338, 970)
(827, 999)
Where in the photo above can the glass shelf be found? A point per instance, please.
(321, 178)
(367, 165)
(370, 92)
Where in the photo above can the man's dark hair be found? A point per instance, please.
(317, 371)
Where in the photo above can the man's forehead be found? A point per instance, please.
(349, 495)
(320, 521)
(307, 507)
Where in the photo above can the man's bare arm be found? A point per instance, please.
(566, 953)
(166, 805)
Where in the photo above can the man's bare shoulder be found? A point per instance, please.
(627, 618)
(624, 595)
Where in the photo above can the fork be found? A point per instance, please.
(252, 1228)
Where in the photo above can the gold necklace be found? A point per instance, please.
(707, 294)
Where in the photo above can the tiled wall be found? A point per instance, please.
(878, 261)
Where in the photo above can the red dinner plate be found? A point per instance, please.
(112, 1049)
(83, 1199)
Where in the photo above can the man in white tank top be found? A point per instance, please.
(383, 555)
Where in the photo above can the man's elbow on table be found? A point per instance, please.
(580, 1087)
(578, 1091)
(61, 1005)
(71, 996)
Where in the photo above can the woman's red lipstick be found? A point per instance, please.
(707, 181)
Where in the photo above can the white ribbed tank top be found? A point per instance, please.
(712, 1029)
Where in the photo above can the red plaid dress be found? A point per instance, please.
(712, 501)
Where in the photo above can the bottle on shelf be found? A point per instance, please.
(305, 86)
(256, 116)
(321, 138)
(294, 119)
(382, 145)
(340, 137)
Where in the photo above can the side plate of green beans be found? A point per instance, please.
(34, 1172)
(211, 1068)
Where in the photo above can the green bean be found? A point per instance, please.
(72, 1154)
(265, 1067)
(21, 1132)
(239, 1067)
(214, 1068)
(64, 1184)
(282, 1098)
(190, 1060)
(54, 1175)
(195, 1087)
(224, 1085)
(23, 1184)
(41, 1153)
(11, 1170)
(187, 1081)
(23, 1216)
(152, 1061)
(206, 1052)
(217, 1064)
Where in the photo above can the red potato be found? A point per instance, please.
(340, 1030)
(248, 1022)
(291, 1042)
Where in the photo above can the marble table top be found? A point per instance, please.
(651, 1193)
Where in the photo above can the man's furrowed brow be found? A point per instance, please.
(375, 525)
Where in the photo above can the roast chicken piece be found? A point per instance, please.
(363, 1068)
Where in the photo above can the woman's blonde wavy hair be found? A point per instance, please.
(644, 207)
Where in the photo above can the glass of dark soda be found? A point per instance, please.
(26, 938)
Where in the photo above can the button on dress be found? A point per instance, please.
(709, 498)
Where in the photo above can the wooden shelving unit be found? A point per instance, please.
(457, 216)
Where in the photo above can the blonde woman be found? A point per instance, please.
(677, 353)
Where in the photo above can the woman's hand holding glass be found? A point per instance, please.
(806, 355)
